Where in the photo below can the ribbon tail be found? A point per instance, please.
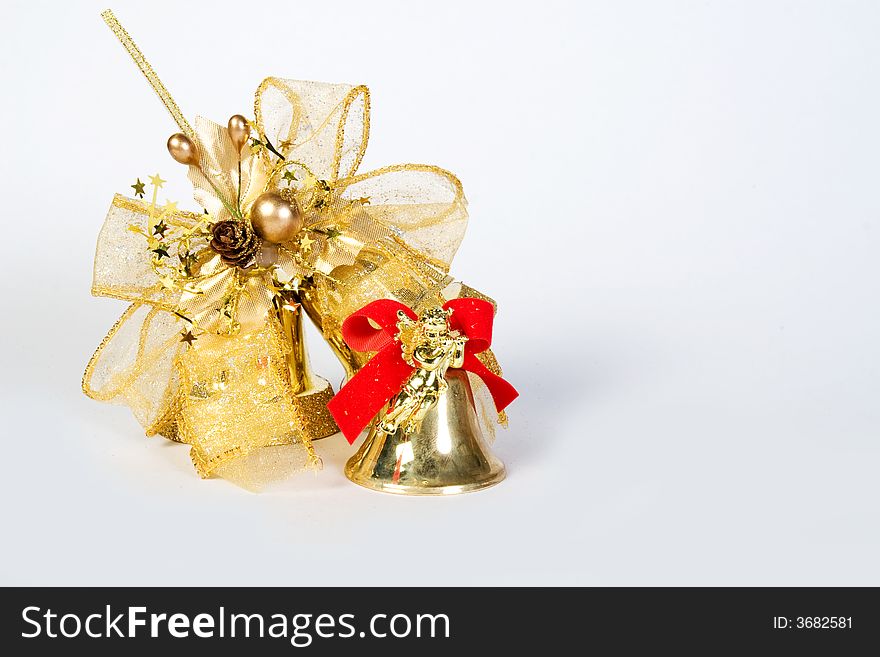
(365, 394)
(502, 392)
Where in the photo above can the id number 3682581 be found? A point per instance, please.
(812, 622)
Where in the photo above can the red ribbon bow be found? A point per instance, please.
(384, 374)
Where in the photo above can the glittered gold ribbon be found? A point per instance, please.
(142, 63)
(391, 233)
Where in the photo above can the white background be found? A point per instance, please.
(675, 203)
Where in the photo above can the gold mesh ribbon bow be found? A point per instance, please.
(389, 232)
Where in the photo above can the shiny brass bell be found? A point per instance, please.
(311, 391)
(447, 455)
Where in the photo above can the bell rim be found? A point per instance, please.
(496, 476)
(322, 422)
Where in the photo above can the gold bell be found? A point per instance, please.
(378, 272)
(445, 456)
(312, 391)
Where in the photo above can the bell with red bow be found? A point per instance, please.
(425, 436)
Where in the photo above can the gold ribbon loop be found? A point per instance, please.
(324, 125)
(390, 232)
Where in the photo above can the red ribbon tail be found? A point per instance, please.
(502, 392)
(366, 393)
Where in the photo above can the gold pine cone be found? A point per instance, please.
(236, 243)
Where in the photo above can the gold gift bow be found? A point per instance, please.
(150, 380)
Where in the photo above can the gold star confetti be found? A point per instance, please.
(278, 286)
(286, 144)
(363, 200)
(305, 243)
(187, 262)
(139, 188)
(160, 229)
(170, 206)
(157, 181)
(289, 176)
(161, 252)
(188, 337)
(332, 232)
(284, 292)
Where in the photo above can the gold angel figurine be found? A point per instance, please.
(431, 347)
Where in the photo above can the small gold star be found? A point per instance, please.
(280, 288)
(161, 252)
(333, 232)
(289, 176)
(160, 229)
(187, 260)
(157, 181)
(286, 144)
(138, 188)
(188, 337)
(170, 206)
(363, 200)
(305, 243)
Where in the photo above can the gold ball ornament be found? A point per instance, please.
(183, 149)
(274, 219)
(239, 131)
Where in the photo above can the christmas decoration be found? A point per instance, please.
(211, 350)
(425, 437)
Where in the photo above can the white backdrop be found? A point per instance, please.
(676, 205)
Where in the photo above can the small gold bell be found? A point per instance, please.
(446, 455)
(311, 390)
(330, 299)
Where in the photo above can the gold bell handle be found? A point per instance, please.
(291, 322)
(351, 361)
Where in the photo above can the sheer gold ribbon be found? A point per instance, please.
(389, 232)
